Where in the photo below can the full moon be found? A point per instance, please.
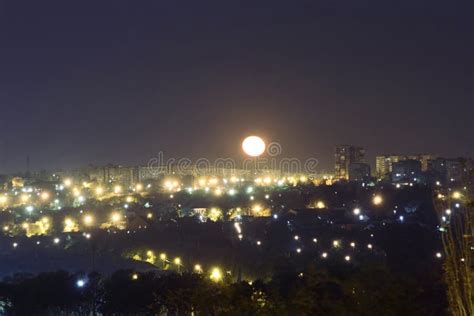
(253, 146)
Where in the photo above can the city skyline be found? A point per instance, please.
(267, 161)
(236, 157)
(116, 82)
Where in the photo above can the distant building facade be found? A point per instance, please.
(109, 174)
(344, 156)
(359, 172)
(454, 170)
(409, 170)
(384, 163)
(158, 172)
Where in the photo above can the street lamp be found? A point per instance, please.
(197, 268)
(163, 259)
(216, 275)
(377, 200)
(88, 219)
(80, 283)
(177, 262)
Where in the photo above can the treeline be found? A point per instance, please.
(371, 290)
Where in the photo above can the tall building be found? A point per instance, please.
(384, 163)
(359, 172)
(344, 156)
(408, 170)
(455, 170)
(111, 174)
(423, 159)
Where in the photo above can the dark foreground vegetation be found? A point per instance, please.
(337, 290)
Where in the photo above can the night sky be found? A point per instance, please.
(117, 81)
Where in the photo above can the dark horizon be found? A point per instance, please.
(118, 82)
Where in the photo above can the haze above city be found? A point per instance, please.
(113, 81)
